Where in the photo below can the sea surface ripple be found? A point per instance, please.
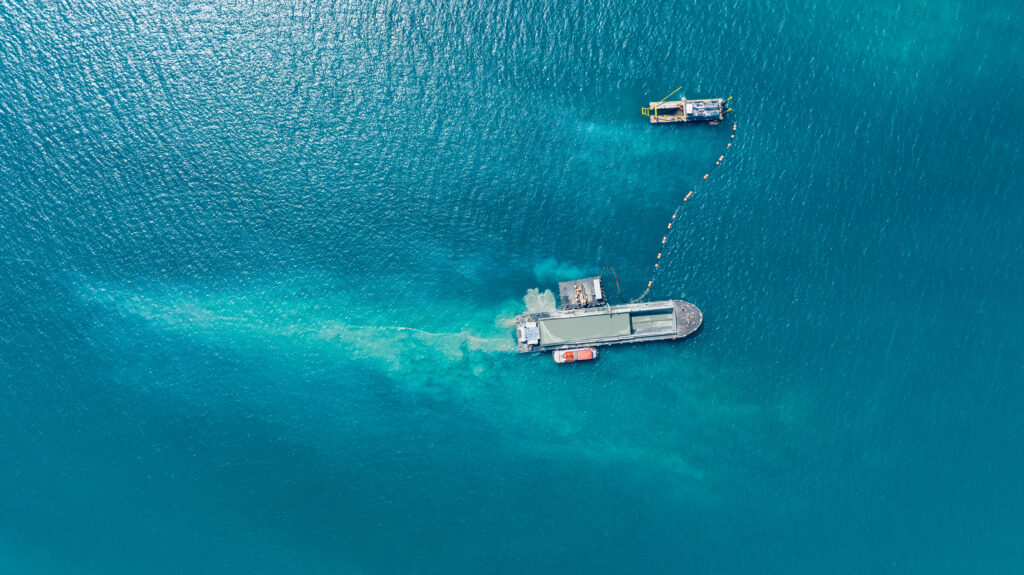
(258, 262)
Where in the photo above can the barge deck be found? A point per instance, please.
(710, 110)
(606, 325)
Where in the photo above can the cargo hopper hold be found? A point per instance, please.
(587, 319)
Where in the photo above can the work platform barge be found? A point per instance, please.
(587, 319)
(712, 110)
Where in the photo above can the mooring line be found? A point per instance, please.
(616, 277)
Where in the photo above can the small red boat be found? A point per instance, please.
(574, 355)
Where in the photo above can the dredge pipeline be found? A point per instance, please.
(668, 231)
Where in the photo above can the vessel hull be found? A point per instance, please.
(606, 325)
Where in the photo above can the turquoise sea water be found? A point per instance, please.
(257, 262)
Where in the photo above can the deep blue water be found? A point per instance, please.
(257, 262)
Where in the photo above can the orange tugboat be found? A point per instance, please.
(574, 355)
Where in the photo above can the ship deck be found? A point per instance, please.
(708, 110)
(607, 325)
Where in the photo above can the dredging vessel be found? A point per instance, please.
(667, 111)
(586, 319)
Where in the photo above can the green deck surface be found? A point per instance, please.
(653, 323)
(570, 329)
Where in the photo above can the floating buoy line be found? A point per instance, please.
(669, 228)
